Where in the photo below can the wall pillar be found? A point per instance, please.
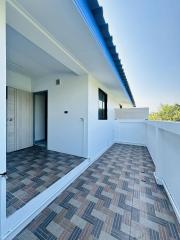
(2, 117)
(158, 165)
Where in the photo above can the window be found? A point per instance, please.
(102, 111)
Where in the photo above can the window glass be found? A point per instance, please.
(102, 111)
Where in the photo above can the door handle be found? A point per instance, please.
(11, 119)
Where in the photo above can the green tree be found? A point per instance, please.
(167, 112)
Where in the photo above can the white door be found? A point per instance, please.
(19, 119)
(10, 120)
(24, 119)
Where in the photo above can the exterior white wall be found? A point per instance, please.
(133, 132)
(168, 165)
(66, 132)
(132, 113)
(163, 142)
(151, 133)
(39, 118)
(19, 81)
(100, 132)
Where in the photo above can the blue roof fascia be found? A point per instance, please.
(92, 14)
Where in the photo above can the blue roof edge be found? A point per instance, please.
(97, 14)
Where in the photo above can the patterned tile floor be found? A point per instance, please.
(32, 170)
(116, 198)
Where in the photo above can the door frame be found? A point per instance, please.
(46, 114)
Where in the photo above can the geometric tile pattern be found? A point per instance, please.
(115, 198)
(32, 170)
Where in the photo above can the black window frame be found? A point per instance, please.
(102, 101)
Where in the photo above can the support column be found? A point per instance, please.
(2, 118)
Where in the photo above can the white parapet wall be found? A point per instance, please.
(163, 142)
(130, 132)
(132, 113)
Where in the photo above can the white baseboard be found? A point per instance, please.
(160, 181)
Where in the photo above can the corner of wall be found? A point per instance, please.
(18, 80)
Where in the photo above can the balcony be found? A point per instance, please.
(130, 192)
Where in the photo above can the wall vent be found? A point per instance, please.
(58, 82)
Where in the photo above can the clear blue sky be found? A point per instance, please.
(147, 36)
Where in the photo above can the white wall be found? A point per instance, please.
(132, 113)
(18, 81)
(39, 118)
(163, 142)
(168, 165)
(66, 132)
(151, 135)
(133, 132)
(100, 132)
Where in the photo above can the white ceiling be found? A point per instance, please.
(24, 57)
(63, 33)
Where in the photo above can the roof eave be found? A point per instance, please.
(97, 12)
